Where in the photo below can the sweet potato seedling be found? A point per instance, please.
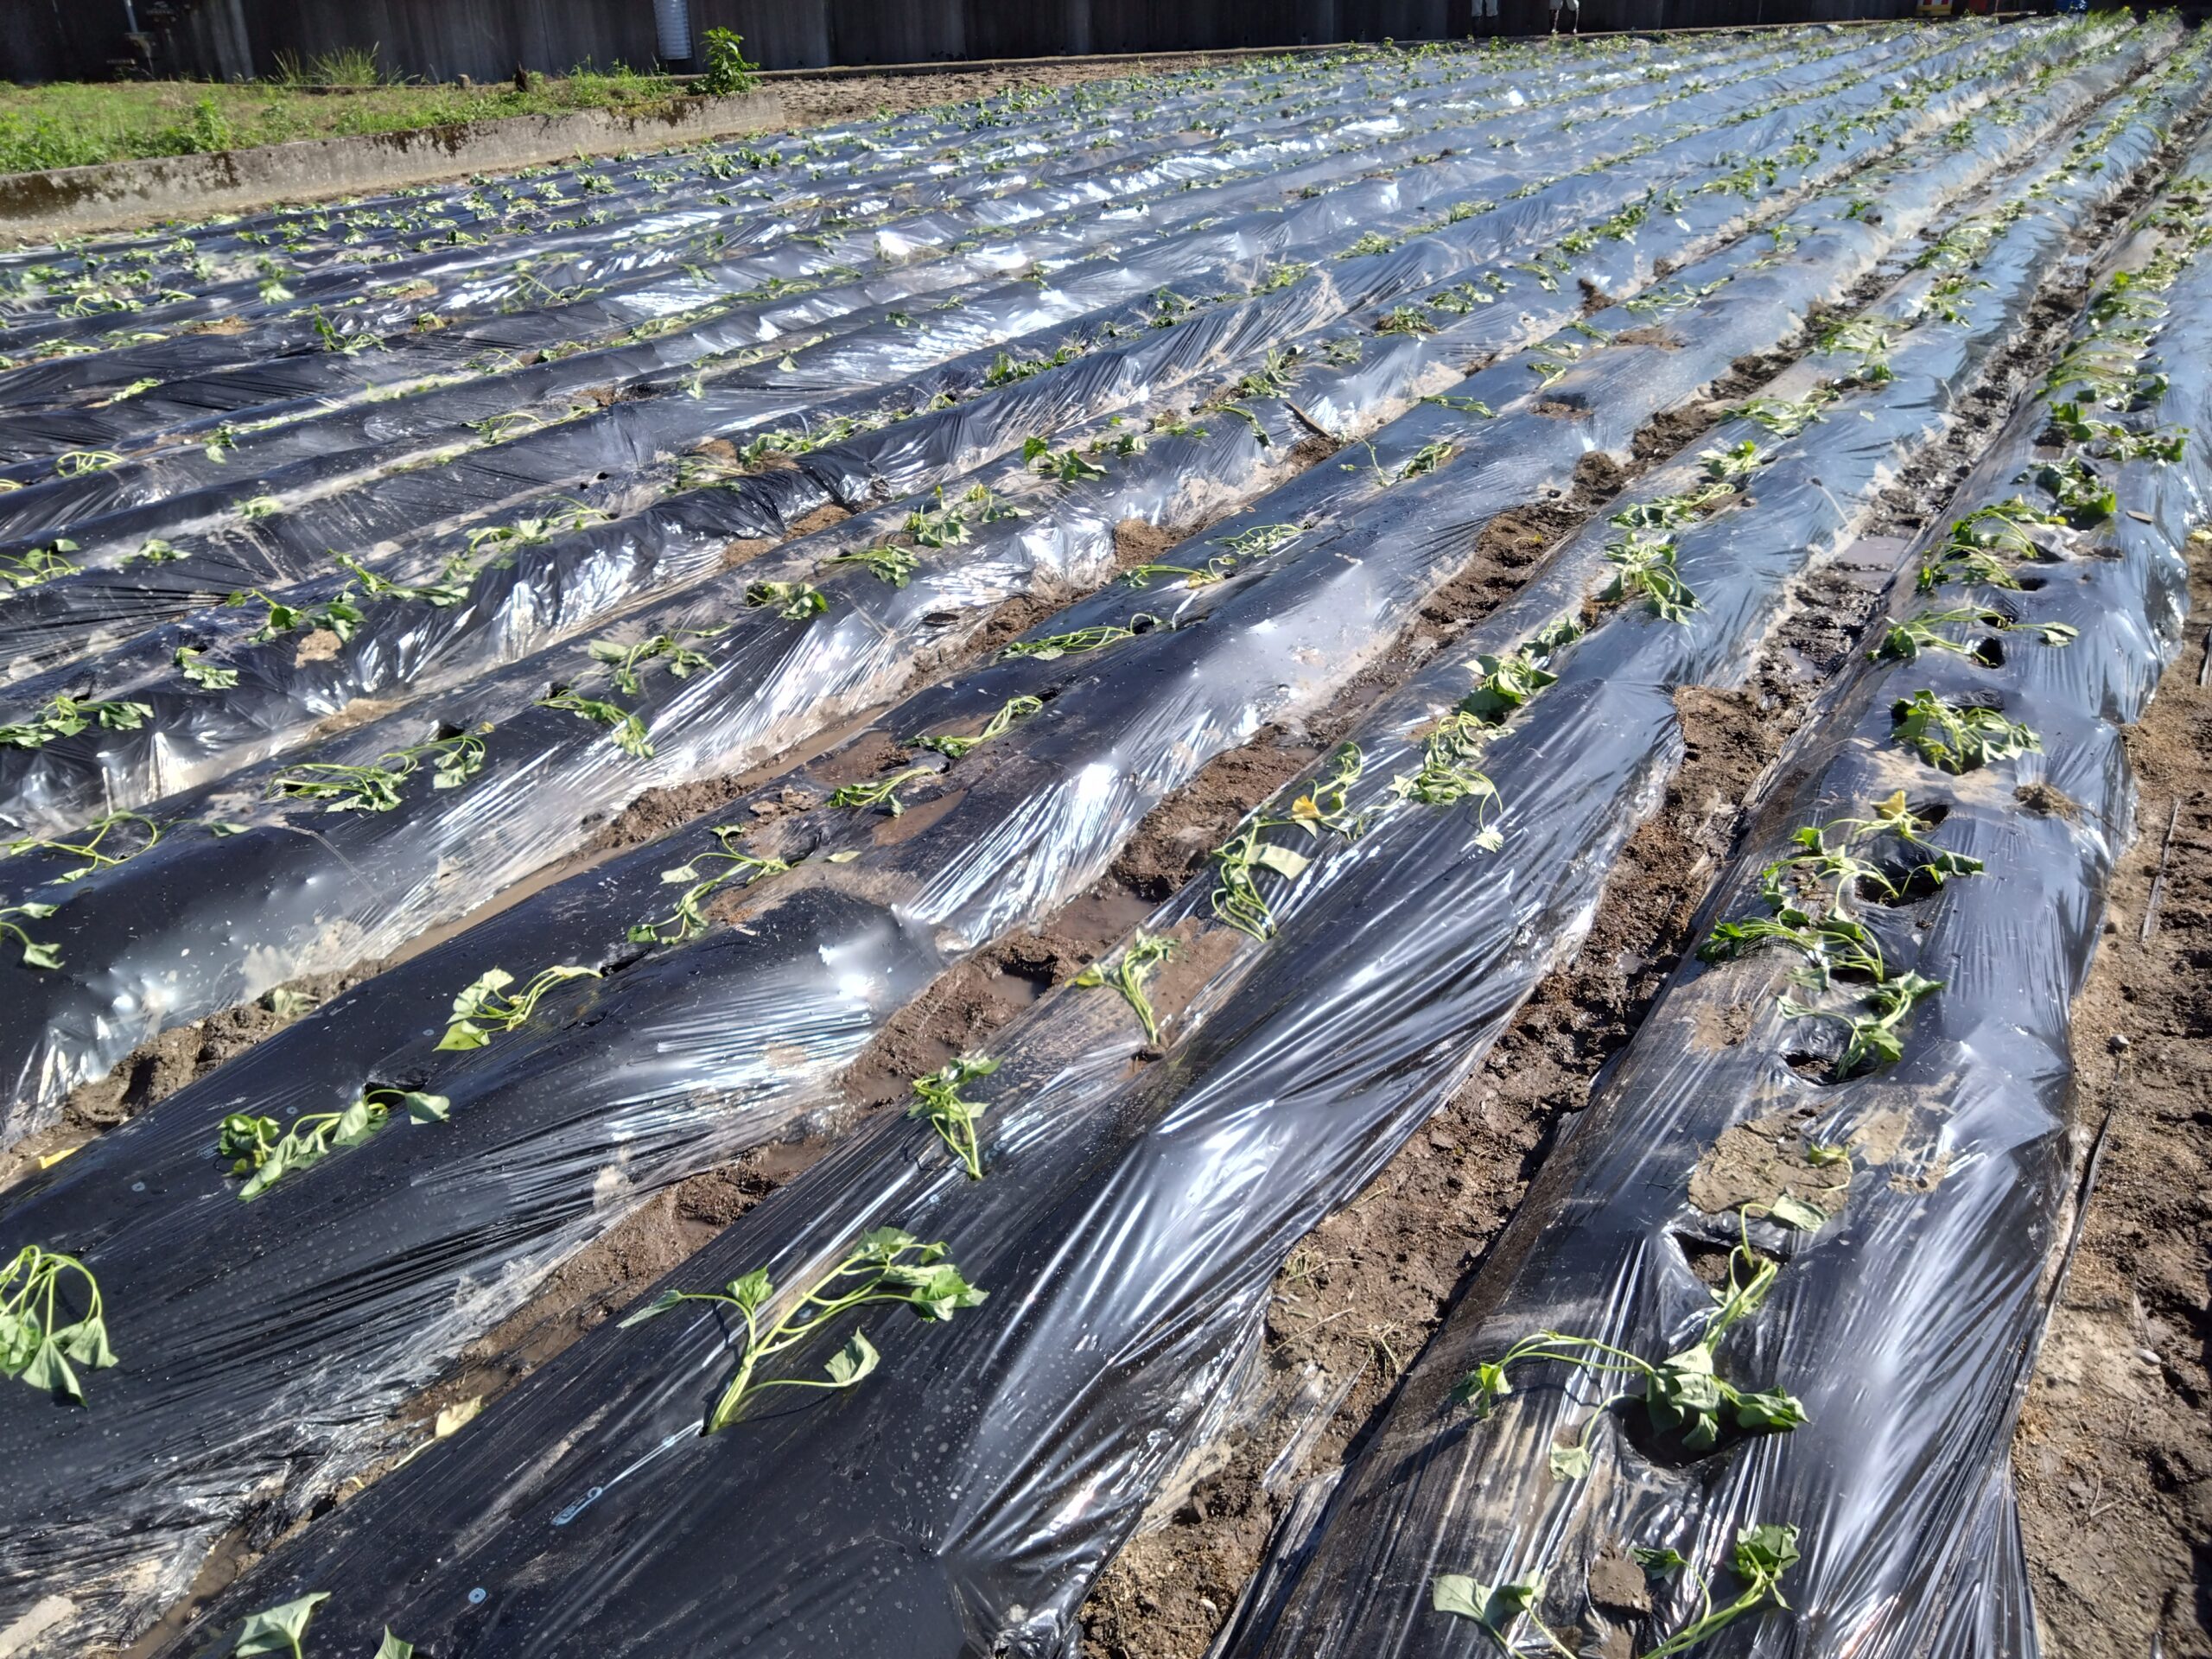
(1061, 466)
(1976, 547)
(1236, 899)
(626, 730)
(338, 615)
(62, 715)
(483, 1009)
(208, 677)
(887, 1267)
(1809, 895)
(38, 566)
(1958, 738)
(376, 787)
(36, 953)
(894, 565)
(442, 592)
(1644, 569)
(263, 1150)
(1905, 640)
(954, 1119)
(795, 601)
(92, 843)
(688, 919)
(1146, 952)
(37, 1337)
(1683, 1394)
(953, 747)
(626, 662)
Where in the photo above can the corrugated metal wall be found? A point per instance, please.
(46, 40)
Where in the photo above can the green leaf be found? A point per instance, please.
(754, 1290)
(1455, 1592)
(392, 1648)
(355, 1124)
(49, 1370)
(278, 1630)
(1570, 1462)
(427, 1109)
(1282, 859)
(1769, 1408)
(1661, 1563)
(853, 1362)
(1765, 1552)
(37, 955)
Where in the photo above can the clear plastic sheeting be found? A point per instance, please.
(188, 735)
(1136, 1197)
(1908, 1304)
(248, 532)
(243, 892)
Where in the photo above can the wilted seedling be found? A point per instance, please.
(1262, 540)
(1219, 568)
(1145, 952)
(625, 661)
(1958, 738)
(1474, 406)
(37, 1338)
(263, 1150)
(1872, 1037)
(895, 565)
(795, 601)
(62, 715)
(882, 791)
(484, 1010)
(1904, 641)
(1055, 646)
(92, 843)
(876, 1272)
(1450, 773)
(953, 1118)
(627, 730)
(1506, 681)
(1426, 460)
(688, 919)
(1644, 567)
(75, 463)
(1236, 899)
(1976, 546)
(1783, 417)
(1013, 708)
(376, 787)
(1683, 1394)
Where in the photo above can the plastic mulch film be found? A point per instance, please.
(259, 890)
(263, 532)
(1283, 622)
(1134, 1201)
(603, 221)
(1055, 206)
(1911, 1193)
(443, 623)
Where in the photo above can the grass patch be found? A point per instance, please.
(78, 123)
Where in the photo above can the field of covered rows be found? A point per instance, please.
(1287, 862)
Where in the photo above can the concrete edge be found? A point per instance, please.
(115, 195)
